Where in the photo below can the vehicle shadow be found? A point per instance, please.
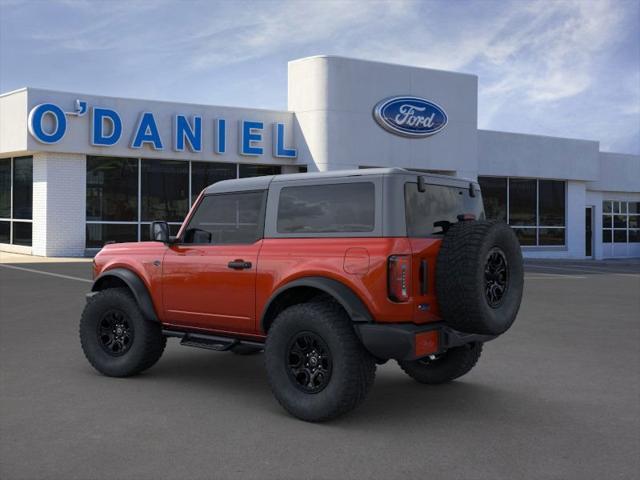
(394, 397)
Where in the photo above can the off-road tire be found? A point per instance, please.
(462, 278)
(147, 344)
(453, 364)
(353, 368)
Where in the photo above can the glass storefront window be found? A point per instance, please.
(247, 170)
(204, 174)
(494, 197)
(112, 189)
(5, 188)
(165, 190)
(551, 203)
(117, 210)
(22, 187)
(535, 208)
(100, 233)
(522, 202)
(16, 200)
(5, 231)
(620, 221)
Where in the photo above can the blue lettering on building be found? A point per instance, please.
(147, 132)
(48, 123)
(279, 149)
(250, 134)
(184, 131)
(37, 115)
(100, 136)
(221, 136)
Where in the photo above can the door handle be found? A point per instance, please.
(239, 264)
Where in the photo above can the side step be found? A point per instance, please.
(210, 342)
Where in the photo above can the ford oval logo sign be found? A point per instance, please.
(410, 116)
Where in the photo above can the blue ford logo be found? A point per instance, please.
(410, 116)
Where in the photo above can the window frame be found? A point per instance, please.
(538, 226)
(618, 208)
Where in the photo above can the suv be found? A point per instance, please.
(328, 273)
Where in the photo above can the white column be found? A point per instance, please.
(59, 204)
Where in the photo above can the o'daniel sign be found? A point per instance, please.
(408, 116)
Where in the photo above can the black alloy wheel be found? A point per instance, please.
(309, 362)
(115, 332)
(496, 277)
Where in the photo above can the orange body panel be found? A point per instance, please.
(193, 287)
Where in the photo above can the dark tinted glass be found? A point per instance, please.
(112, 189)
(606, 206)
(23, 189)
(619, 236)
(227, 219)
(204, 174)
(634, 221)
(22, 233)
(634, 207)
(98, 234)
(606, 236)
(620, 221)
(5, 188)
(552, 203)
(145, 231)
(302, 169)
(526, 236)
(346, 207)
(551, 236)
(607, 221)
(5, 228)
(165, 190)
(634, 236)
(494, 196)
(259, 170)
(522, 202)
(437, 204)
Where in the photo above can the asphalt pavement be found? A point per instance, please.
(557, 397)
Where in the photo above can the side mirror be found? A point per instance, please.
(160, 232)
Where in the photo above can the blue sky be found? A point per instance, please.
(563, 68)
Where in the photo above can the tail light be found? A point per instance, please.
(399, 271)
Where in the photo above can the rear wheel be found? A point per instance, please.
(317, 367)
(446, 367)
(116, 338)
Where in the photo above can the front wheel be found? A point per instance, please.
(445, 367)
(317, 367)
(115, 337)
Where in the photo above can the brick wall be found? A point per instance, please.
(59, 198)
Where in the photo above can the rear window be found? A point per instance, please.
(344, 207)
(437, 204)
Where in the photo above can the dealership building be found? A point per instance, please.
(79, 170)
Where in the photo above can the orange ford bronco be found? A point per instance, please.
(328, 273)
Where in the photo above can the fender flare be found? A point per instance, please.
(137, 287)
(355, 308)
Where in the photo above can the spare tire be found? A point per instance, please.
(479, 277)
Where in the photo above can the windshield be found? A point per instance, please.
(428, 213)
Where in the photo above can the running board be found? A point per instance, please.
(209, 342)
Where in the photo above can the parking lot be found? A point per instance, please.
(558, 396)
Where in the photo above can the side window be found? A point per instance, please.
(227, 219)
(343, 207)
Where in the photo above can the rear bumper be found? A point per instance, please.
(406, 341)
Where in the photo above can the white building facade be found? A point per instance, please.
(79, 170)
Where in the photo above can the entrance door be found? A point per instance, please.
(209, 276)
(588, 233)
